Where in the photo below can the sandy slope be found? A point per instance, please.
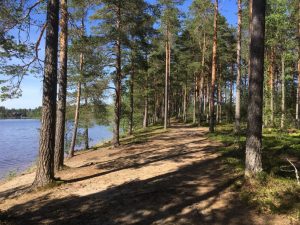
(175, 177)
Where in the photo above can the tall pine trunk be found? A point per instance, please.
(86, 126)
(207, 101)
(118, 80)
(166, 103)
(78, 97)
(298, 98)
(201, 90)
(214, 71)
(219, 114)
(231, 94)
(238, 79)
(250, 31)
(195, 98)
(255, 105)
(298, 87)
(62, 93)
(145, 121)
(282, 121)
(185, 103)
(204, 101)
(76, 115)
(272, 87)
(131, 99)
(45, 168)
(169, 79)
(86, 138)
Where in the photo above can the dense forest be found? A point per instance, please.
(135, 64)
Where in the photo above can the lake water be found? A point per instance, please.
(19, 142)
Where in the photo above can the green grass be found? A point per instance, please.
(275, 190)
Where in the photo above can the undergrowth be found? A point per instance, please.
(275, 190)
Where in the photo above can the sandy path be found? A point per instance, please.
(173, 178)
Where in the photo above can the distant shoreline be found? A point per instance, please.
(23, 118)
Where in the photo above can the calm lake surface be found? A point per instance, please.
(19, 142)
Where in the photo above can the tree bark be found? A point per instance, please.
(166, 84)
(272, 87)
(219, 114)
(204, 101)
(250, 31)
(156, 106)
(202, 79)
(45, 165)
(282, 92)
(185, 104)
(238, 79)
(169, 79)
(297, 103)
(255, 105)
(86, 138)
(118, 80)
(76, 117)
(231, 94)
(298, 87)
(62, 93)
(145, 121)
(208, 100)
(86, 128)
(131, 99)
(194, 99)
(214, 70)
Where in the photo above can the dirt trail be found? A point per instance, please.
(175, 177)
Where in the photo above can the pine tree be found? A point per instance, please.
(62, 93)
(214, 71)
(238, 79)
(45, 168)
(254, 132)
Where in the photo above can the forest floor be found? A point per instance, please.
(155, 177)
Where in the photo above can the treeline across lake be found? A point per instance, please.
(20, 113)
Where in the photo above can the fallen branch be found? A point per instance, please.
(296, 171)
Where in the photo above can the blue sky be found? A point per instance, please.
(32, 86)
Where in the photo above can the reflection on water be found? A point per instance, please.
(19, 141)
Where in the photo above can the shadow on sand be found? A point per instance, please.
(184, 196)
